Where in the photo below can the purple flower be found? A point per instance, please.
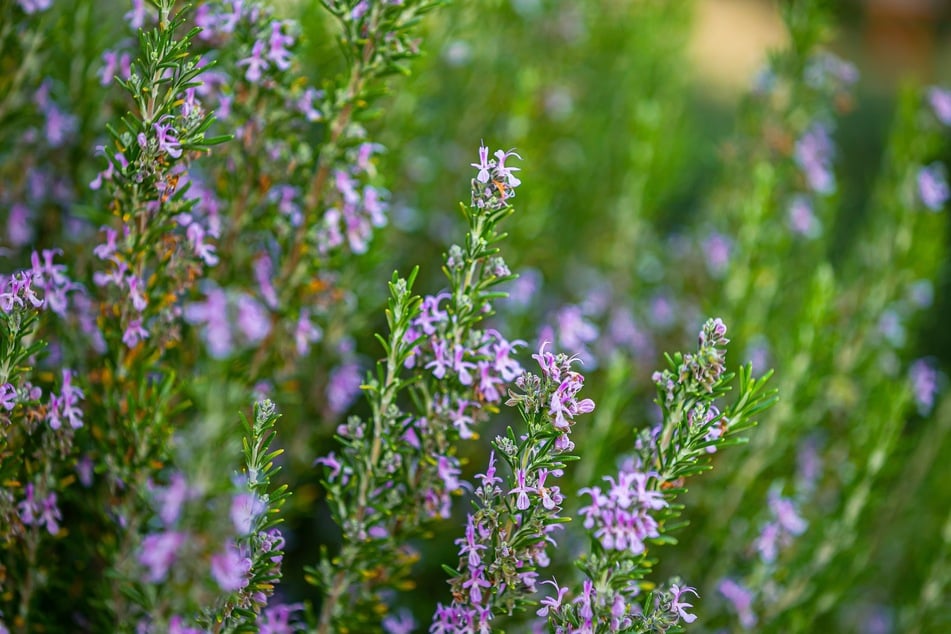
(343, 387)
(19, 227)
(32, 6)
(253, 320)
(403, 623)
(801, 219)
(814, 154)
(114, 65)
(245, 509)
(277, 619)
(136, 17)
(620, 519)
(158, 552)
(741, 601)
(933, 186)
(767, 543)
(305, 104)
(469, 547)
(255, 63)
(230, 568)
(176, 625)
(165, 135)
(680, 607)
(360, 9)
(521, 502)
(716, 248)
(786, 514)
(8, 396)
(940, 100)
(305, 333)
(134, 333)
(924, 384)
(552, 604)
(40, 513)
(277, 43)
(213, 314)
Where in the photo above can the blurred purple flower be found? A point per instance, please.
(158, 552)
(933, 186)
(814, 154)
(32, 6)
(230, 568)
(245, 509)
(716, 248)
(343, 387)
(940, 100)
(924, 384)
(802, 220)
(741, 600)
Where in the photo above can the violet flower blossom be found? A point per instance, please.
(940, 101)
(814, 154)
(933, 186)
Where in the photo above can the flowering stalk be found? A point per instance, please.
(509, 533)
(638, 509)
(151, 256)
(396, 471)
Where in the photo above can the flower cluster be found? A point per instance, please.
(508, 536)
(635, 511)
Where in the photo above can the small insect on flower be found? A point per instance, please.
(503, 192)
(171, 184)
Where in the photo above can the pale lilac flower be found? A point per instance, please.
(933, 186)
(114, 65)
(814, 154)
(171, 498)
(280, 619)
(343, 387)
(284, 196)
(552, 604)
(521, 502)
(483, 164)
(716, 248)
(8, 396)
(32, 6)
(505, 172)
(924, 384)
(306, 104)
(402, 623)
(134, 333)
(680, 607)
(360, 9)
(230, 569)
(19, 227)
(135, 286)
(245, 509)
(741, 601)
(305, 333)
(940, 100)
(136, 16)
(213, 315)
(255, 63)
(801, 218)
(85, 470)
(253, 320)
(469, 546)
(165, 135)
(158, 552)
(277, 43)
(176, 625)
